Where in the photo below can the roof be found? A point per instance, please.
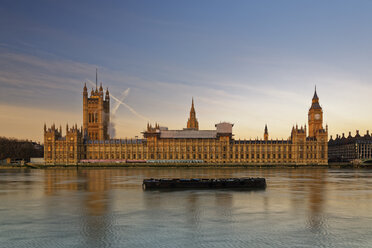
(315, 95)
(188, 134)
(262, 142)
(315, 105)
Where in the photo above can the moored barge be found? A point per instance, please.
(201, 183)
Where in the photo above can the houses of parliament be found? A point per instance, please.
(91, 143)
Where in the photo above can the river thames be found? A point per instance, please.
(303, 207)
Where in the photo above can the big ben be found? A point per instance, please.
(315, 116)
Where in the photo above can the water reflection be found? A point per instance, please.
(317, 197)
(107, 208)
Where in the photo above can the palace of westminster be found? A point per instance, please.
(91, 142)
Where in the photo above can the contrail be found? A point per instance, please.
(123, 96)
(131, 109)
(123, 103)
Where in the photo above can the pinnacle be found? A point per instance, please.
(315, 94)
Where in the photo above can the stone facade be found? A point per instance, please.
(350, 148)
(96, 113)
(91, 142)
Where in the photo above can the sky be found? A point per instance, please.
(250, 63)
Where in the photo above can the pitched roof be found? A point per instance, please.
(188, 134)
(315, 95)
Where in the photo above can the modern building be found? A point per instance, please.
(350, 148)
(91, 142)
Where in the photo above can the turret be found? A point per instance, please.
(266, 133)
(85, 91)
(107, 98)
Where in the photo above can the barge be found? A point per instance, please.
(201, 183)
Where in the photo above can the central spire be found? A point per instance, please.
(192, 106)
(192, 122)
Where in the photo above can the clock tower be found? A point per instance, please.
(315, 116)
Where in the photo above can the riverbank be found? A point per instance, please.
(183, 165)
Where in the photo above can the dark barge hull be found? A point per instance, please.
(221, 183)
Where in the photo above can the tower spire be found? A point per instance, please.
(315, 97)
(96, 77)
(192, 123)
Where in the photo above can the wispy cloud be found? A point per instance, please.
(52, 84)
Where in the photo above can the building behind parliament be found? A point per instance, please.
(92, 143)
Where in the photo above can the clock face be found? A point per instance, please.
(317, 116)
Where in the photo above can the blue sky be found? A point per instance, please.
(246, 62)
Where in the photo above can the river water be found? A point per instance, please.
(108, 208)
